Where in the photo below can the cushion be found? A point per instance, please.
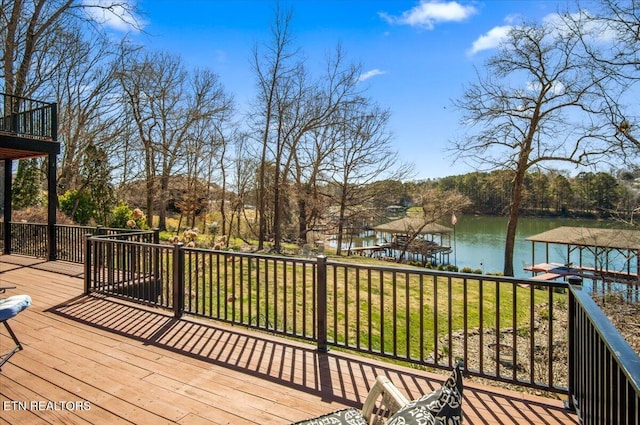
(13, 305)
(349, 416)
(443, 406)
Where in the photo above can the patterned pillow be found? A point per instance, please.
(349, 416)
(443, 406)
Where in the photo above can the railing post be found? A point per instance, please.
(54, 121)
(156, 263)
(8, 196)
(52, 205)
(321, 303)
(87, 264)
(178, 280)
(573, 281)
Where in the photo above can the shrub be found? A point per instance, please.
(77, 205)
(123, 217)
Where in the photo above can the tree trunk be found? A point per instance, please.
(512, 225)
(277, 212)
(343, 207)
(302, 221)
(150, 189)
(164, 195)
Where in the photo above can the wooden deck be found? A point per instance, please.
(91, 359)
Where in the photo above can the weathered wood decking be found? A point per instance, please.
(90, 359)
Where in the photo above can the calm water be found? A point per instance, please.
(479, 242)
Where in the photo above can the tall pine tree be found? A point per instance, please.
(26, 188)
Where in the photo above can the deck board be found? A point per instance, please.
(136, 364)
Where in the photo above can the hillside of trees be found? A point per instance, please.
(587, 194)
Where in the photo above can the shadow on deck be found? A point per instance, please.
(103, 360)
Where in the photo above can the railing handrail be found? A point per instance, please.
(115, 236)
(400, 268)
(24, 116)
(28, 99)
(619, 349)
(277, 276)
(435, 272)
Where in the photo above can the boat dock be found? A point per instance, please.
(552, 271)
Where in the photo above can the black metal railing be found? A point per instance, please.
(132, 268)
(604, 380)
(550, 336)
(28, 117)
(32, 239)
(504, 329)
(29, 239)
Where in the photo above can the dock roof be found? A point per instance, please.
(587, 236)
(411, 224)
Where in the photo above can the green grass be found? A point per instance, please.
(407, 311)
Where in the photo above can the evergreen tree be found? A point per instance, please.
(26, 188)
(96, 173)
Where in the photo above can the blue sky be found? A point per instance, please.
(417, 55)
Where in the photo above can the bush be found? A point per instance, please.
(123, 217)
(77, 205)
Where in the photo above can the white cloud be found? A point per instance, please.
(370, 74)
(491, 39)
(115, 15)
(557, 87)
(595, 31)
(429, 13)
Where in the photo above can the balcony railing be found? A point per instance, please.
(32, 239)
(28, 117)
(550, 336)
(504, 329)
(604, 381)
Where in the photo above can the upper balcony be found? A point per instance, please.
(28, 128)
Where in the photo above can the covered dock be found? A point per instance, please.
(419, 239)
(594, 253)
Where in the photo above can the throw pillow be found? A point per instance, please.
(443, 406)
(349, 416)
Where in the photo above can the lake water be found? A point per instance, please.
(479, 242)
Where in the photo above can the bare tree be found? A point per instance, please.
(610, 35)
(86, 89)
(436, 205)
(310, 164)
(291, 106)
(30, 29)
(242, 182)
(272, 70)
(537, 103)
(363, 155)
(318, 134)
(168, 105)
